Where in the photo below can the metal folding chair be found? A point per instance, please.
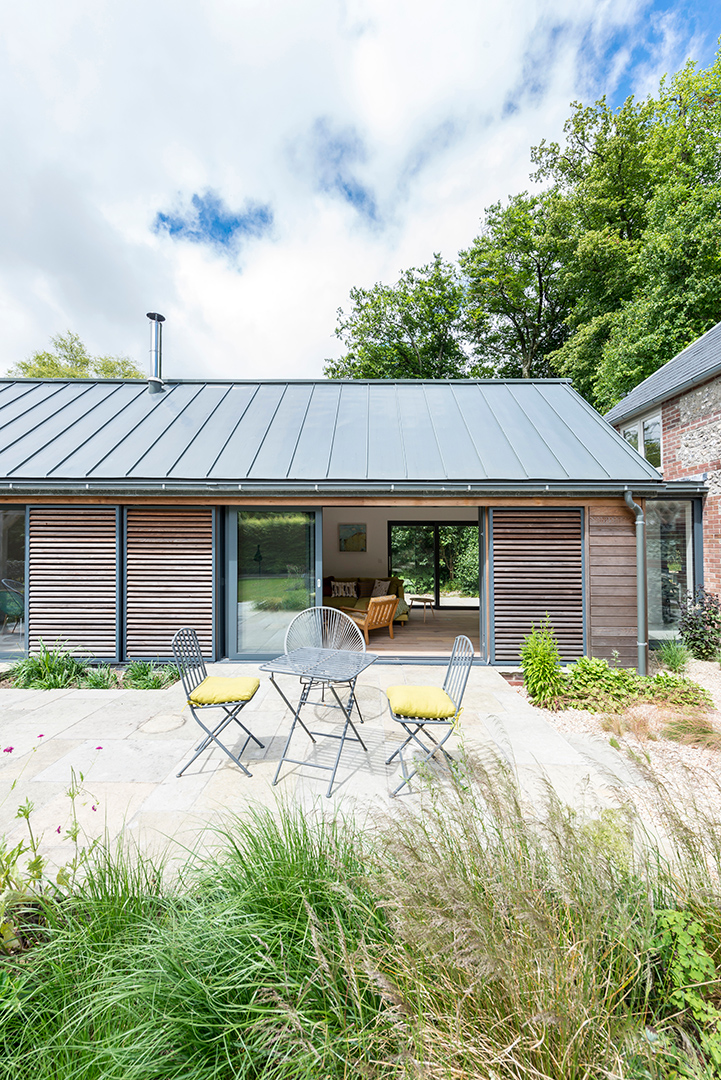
(423, 710)
(324, 628)
(205, 692)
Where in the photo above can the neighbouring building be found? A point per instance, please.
(673, 419)
(127, 511)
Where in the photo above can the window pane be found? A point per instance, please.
(670, 566)
(458, 565)
(630, 434)
(12, 583)
(276, 575)
(413, 557)
(652, 441)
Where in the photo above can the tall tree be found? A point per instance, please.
(69, 359)
(414, 329)
(518, 302)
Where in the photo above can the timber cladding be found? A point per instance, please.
(537, 570)
(72, 583)
(168, 579)
(612, 584)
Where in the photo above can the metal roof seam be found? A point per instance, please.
(268, 427)
(511, 447)
(433, 429)
(167, 429)
(207, 420)
(155, 405)
(44, 445)
(335, 427)
(14, 400)
(628, 449)
(235, 427)
(401, 435)
(289, 470)
(553, 409)
(36, 405)
(94, 433)
(468, 430)
(539, 432)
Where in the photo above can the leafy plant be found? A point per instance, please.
(147, 675)
(674, 655)
(688, 977)
(541, 664)
(48, 669)
(700, 624)
(100, 678)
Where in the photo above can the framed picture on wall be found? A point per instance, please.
(352, 538)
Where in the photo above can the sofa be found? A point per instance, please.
(364, 588)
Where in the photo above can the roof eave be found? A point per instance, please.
(658, 399)
(38, 489)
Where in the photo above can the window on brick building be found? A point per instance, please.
(644, 435)
(669, 563)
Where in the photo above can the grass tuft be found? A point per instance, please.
(466, 937)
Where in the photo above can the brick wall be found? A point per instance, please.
(691, 446)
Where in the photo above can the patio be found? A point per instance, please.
(126, 746)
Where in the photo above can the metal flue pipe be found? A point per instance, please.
(640, 581)
(155, 382)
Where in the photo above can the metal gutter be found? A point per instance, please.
(339, 489)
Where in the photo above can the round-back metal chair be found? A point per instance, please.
(323, 628)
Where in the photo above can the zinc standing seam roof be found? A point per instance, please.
(693, 365)
(309, 431)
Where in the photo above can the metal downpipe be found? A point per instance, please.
(640, 581)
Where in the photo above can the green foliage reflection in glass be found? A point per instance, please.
(413, 558)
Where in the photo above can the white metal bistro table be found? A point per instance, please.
(326, 667)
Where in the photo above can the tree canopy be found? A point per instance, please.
(602, 273)
(414, 329)
(69, 359)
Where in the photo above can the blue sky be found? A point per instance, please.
(239, 167)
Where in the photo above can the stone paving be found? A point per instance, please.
(125, 747)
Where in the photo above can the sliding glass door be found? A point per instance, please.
(436, 560)
(272, 576)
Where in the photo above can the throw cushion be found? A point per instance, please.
(344, 588)
(220, 689)
(381, 587)
(429, 702)
(365, 587)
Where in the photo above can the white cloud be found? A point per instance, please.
(121, 111)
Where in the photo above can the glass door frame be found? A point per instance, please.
(231, 571)
(436, 525)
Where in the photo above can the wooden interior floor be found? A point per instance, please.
(435, 637)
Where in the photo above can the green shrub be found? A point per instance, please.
(147, 675)
(48, 669)
(100, 678)
(541, 664)
(674, 655)
(594, 685)
(700, 624)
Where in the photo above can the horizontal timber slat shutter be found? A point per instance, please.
(72, 588)
(537, 568)
(168, 579)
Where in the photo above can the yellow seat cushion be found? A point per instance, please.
(219, 690)
(428, 702)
